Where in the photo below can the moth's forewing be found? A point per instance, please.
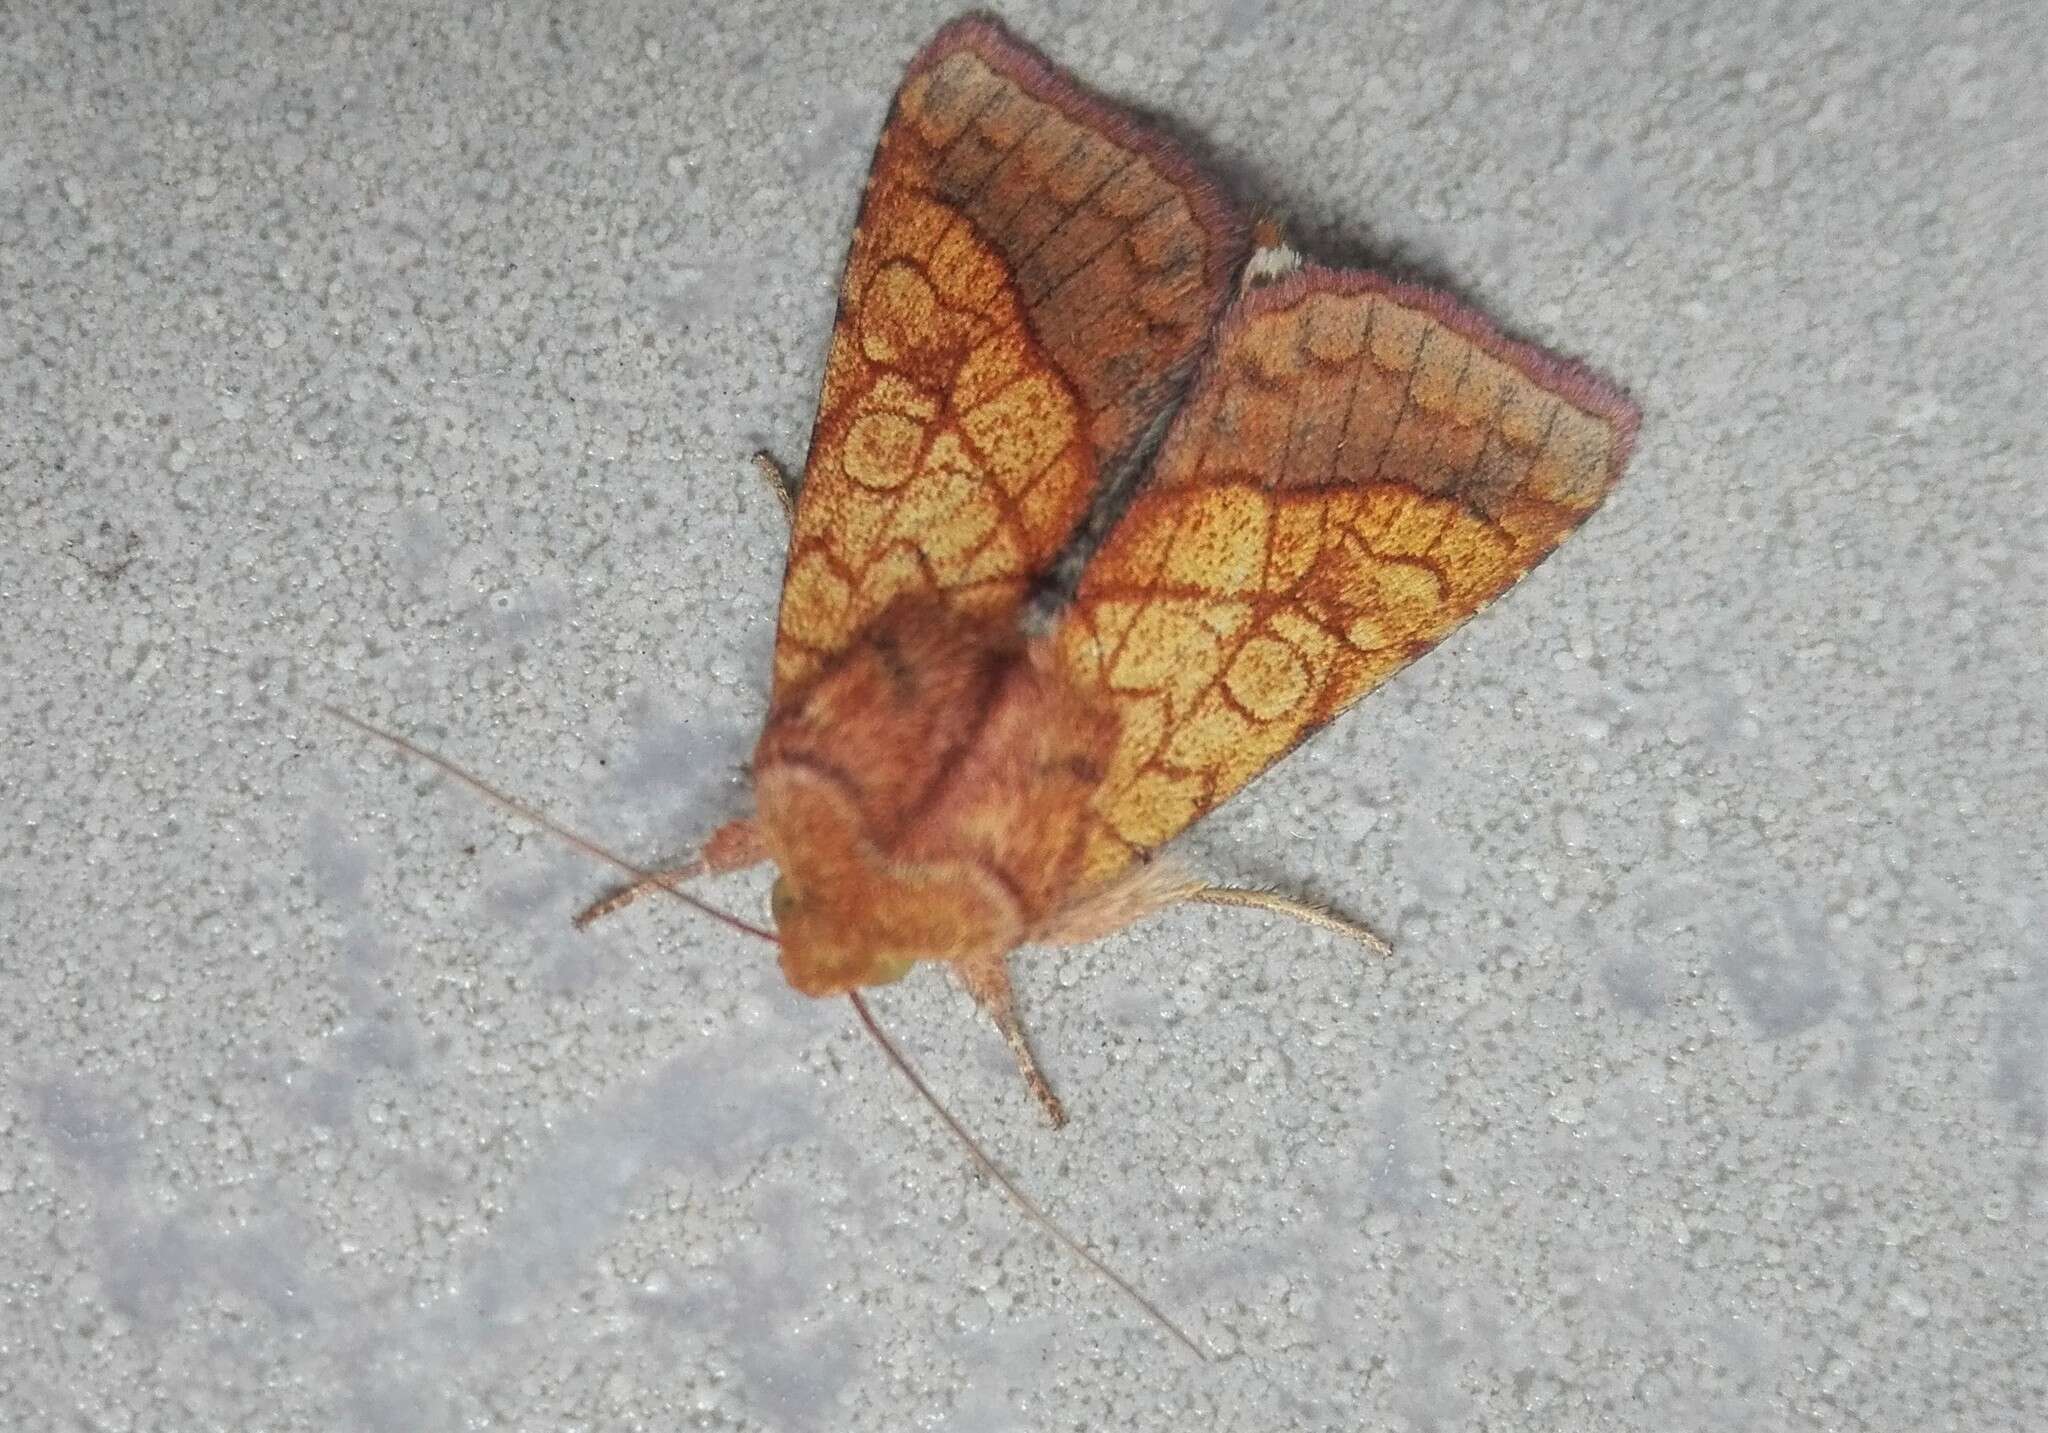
(1033, 277)
(1361, 466)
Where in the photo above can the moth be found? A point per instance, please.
(1111, 500)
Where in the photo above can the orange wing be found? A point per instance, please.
(1032, 279)
(1361, 467)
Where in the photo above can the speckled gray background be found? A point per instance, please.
(409, 357)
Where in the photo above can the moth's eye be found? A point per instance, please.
(781, 901)
(887, 968)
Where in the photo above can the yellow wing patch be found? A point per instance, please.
(1031, 275)
(1361, 468)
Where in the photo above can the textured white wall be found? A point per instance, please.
(410, 363)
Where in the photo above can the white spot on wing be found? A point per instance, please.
(1270, 263)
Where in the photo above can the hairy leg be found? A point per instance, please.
(1306, 912)
(987, 979)
(1154, 887)
(732, 847)
(779, 481)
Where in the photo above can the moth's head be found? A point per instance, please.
(849, 914)
(824, 951)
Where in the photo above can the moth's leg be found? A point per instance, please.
(737, 844)
(732, 847)
(987, 979)
(1279, 905)
(1152, 888)
(785, 494)
(1139, 892)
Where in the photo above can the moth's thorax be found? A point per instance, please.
(924, 797)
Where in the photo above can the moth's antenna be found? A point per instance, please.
(1009, 1186)
(988, 1166)
(582, 843)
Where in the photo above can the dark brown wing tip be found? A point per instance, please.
(1567, 378)
(1028, 68)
